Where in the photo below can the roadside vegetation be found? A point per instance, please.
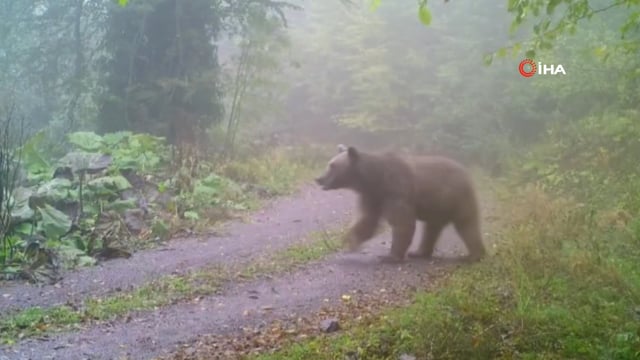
(104, 196)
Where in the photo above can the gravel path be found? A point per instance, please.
(146, 335)
(277, 226)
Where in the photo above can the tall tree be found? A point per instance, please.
(162, 69)
(48, 48)
(255, 83)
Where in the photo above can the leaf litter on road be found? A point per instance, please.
(354, 309)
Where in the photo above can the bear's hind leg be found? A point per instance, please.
(430, 236)
(403, 226)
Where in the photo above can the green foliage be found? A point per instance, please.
(210, 195)
(140, 152)
(589, 158)
(551, 20)
(89, 207)
(54, 223)
(111, 194)
(424, 14)
(58, 213)
(11, 137)
(34, 160)
(547, 26)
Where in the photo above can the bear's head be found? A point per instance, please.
(341, 172)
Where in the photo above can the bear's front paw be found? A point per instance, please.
(350, 245)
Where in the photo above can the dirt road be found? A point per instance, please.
(146, 335)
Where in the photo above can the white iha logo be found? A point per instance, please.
(528, 68)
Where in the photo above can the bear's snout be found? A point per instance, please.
(323, 182)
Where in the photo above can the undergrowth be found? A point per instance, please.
(563, 284)
(278, 171)
(103, 196)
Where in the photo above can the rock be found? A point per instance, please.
(134, 219)
(64, 172)
(163, 198)
(329, 325)
(406, 357)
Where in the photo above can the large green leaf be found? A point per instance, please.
(208, 187)
(86, 140)
(54, 223)
(114, 183)
(115, 138)
(147, 142)
(54, 190)
(75, 257)
(424, 14)
(20, 210)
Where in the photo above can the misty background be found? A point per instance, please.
(229, 73)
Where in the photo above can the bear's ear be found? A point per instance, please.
(353, 153)
(342, 148)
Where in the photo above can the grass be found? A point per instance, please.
(281, 170)
(164, 291)
(564, 283)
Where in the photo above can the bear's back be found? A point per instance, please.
(442, 186)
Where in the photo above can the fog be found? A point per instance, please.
(158, 157)
(383, 79)
(333, 71)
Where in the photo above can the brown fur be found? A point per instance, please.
(404, 189)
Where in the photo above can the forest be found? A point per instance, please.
(157, 160)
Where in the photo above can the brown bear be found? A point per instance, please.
(404, 189)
